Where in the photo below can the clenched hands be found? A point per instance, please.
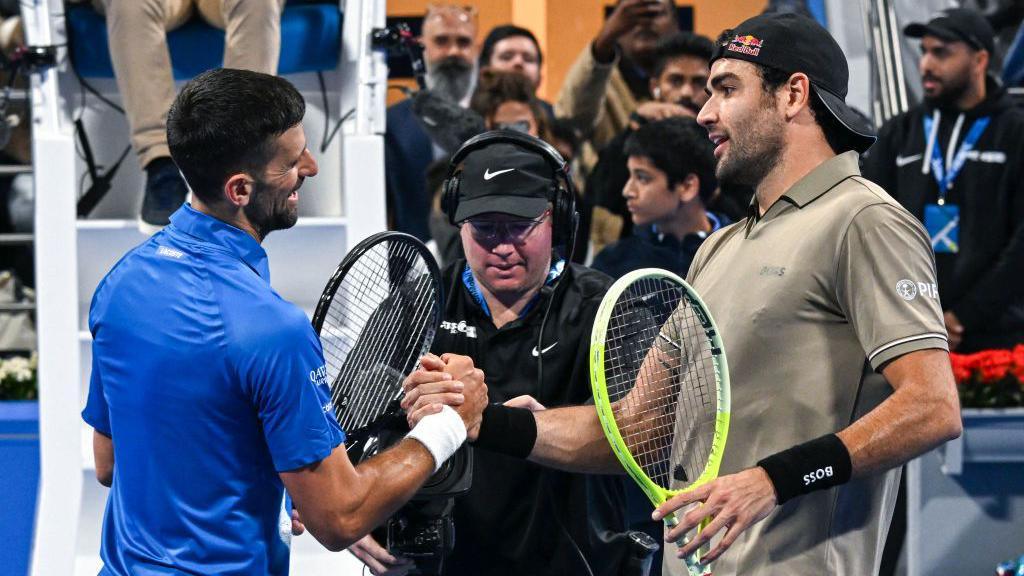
(452, 380)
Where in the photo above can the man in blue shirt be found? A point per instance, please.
(208, 395)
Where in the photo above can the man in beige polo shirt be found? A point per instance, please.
(826, 302)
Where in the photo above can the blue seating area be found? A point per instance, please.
(310, 42)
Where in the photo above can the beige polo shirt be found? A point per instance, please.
(812, 299)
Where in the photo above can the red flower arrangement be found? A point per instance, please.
(991, 378)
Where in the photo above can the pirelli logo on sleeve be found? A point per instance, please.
(909, 290)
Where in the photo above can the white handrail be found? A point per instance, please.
(53, 159)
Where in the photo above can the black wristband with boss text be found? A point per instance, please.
(509, 431)
(816, 465)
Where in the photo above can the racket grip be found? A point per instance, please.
(693, 566)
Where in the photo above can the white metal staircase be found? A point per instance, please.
(340, 206)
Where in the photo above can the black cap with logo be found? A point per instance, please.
(957, 25)
(504, 178)
(794, 43)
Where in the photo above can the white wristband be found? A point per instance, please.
(441, 434)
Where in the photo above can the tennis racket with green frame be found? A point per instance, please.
(661, 385)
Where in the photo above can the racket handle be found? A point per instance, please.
(693, 567)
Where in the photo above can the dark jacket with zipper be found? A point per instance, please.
(983, 284)
(508, 523)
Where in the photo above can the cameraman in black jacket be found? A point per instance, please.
(524, 315)
(956, 161)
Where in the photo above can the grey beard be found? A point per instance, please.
(450, 82)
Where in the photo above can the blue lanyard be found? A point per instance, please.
(470, 283)
(945, 177)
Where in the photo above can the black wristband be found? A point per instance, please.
(509, 431)
(816, 465)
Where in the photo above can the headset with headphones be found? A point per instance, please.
(564, 217)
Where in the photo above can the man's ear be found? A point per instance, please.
(981, 60)
(238, 189)
(797, 94)
(688, 188)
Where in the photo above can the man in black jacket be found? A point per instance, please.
(955, 162)
(524, 315)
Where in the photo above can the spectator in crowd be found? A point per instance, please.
(449, 49)
(671, 179)
(510, 48)
(956, 161)
(506, 100)
(610, 76)
(677, 83)
(137, 32)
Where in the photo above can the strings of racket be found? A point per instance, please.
(380, 321)
(661, 381)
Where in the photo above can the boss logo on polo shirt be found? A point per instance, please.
(459, 327)
(908, 290)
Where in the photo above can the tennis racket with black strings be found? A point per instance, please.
(377, 316)
(661, 385)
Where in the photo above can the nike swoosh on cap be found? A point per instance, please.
(488, 174)
(902, 161)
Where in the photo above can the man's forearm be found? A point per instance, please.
(389, 481)
(340, 504)
(921, 414)
(571, 439)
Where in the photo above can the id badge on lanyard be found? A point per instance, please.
(942, 220)
(945, 175)
(943, 224)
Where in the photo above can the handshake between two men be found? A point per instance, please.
(447, 381)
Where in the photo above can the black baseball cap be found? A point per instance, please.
(504, 178)
(795, 43)
(957, 25)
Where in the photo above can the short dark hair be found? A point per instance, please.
(225, 121)
(499, 33)
(496, 88)
(678, 147)
(680, 44)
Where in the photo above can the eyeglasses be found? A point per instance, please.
(504, 231)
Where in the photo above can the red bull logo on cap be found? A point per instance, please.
(749, 45)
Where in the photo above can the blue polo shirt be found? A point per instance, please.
(209, 384)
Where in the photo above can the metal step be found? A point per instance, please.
(15, 169)
(17, 307)
(16, 239)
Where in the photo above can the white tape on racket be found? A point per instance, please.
(441, 434)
